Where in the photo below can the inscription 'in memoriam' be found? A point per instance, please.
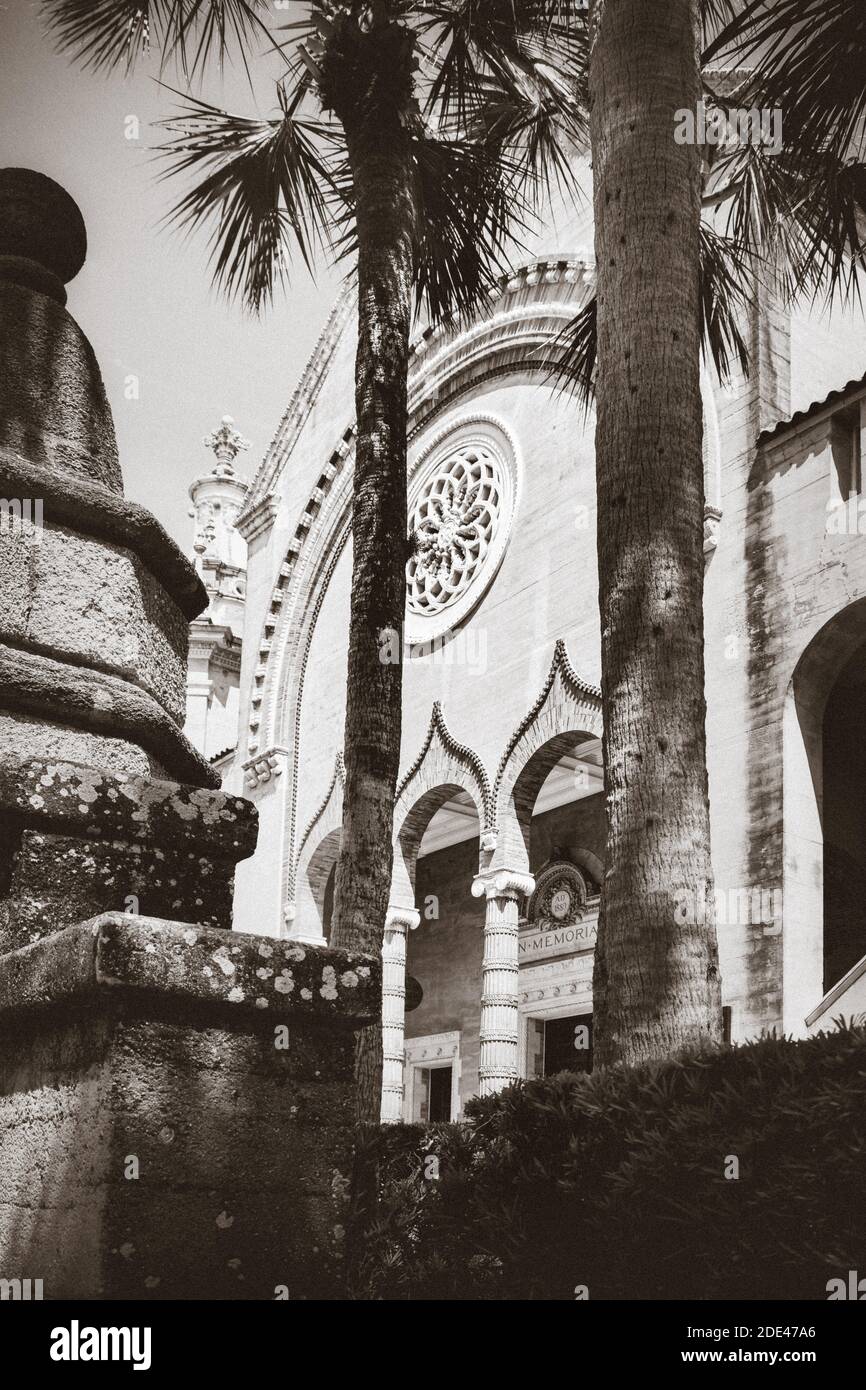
(577, 936)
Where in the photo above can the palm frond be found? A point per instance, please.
(539, 130)
(800, 214)
(808, 58)
(515, 70)
(574, 351)
(715, 14)
(725, 283)
(266, 193)
(107, 34)
(469, 214)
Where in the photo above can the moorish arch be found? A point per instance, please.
(444, 769)
(318, 852)
(566, 714)
(443, 772)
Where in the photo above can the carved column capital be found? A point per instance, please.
(503, 883)
(402, 919)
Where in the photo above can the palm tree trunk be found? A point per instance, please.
(371, 101)
(656, 985)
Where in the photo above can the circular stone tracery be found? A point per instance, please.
(460, 514)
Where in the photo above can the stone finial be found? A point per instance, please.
(226, 443)
(43, 241)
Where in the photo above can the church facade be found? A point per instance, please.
(499, 821)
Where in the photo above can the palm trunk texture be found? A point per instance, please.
(656, 984)
(374, 88)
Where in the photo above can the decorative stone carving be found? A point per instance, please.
(561, 895)
(226, 443)
(217, 498)
(461, 503)
(712, 522)
(264, 767)
(454, 523)
(562, 914)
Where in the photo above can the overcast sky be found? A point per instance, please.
(144, 297)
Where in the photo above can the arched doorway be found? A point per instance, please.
(561, 793)
(443, 957)
(844, 804)
(825, 828)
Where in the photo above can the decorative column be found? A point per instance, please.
(397, 921)
(503, 889)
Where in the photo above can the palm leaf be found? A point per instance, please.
(514, 71)
(715, 14)
(266, 191)
(724, 296)
(574, 351)
(468, 214)
(800, 214)
(106, 34)
(808, 58)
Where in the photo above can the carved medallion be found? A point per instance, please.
(562, 914)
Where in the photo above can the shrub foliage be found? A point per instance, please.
(734, 1174)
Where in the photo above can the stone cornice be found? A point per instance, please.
(145, 958)
(256, 520)
(94, 511)
(56, 690)
(214, 642)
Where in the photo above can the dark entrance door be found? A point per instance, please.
(568, 1044)
(438, 1094)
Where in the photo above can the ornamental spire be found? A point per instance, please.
(226, 443)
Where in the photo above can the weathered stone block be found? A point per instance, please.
(78, 598)
(217, 1068)
(76, 841)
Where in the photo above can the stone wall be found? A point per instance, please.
(176, 1111)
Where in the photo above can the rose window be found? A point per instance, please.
(454, 521)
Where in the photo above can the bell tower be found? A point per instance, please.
(220, 558)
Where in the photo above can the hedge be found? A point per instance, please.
(737, 1174)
